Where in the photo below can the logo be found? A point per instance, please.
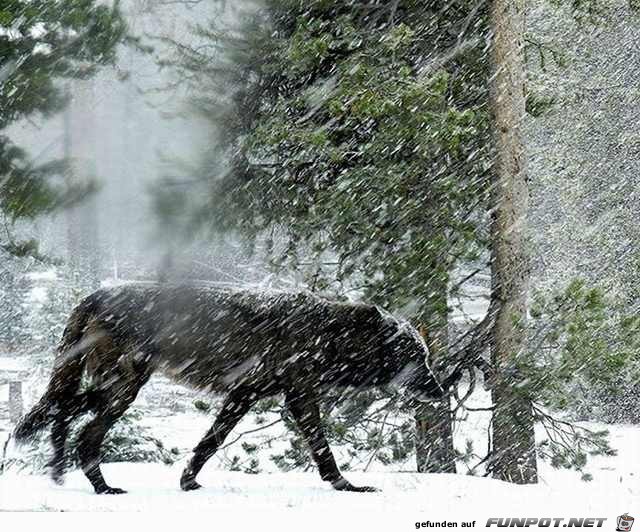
(572, 522)
(624, 523)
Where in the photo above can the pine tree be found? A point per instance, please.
(356, 153)
(14, 286)
(41, 42)
(356, 138)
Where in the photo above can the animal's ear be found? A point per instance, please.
(371, 314)
(361, 314)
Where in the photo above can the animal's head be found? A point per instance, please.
(397, 351)
(402, 342)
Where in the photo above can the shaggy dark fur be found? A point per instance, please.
(245, 345)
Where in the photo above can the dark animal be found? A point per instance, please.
(245, 345)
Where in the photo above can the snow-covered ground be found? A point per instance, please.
(409, 497)
(154, 487)
(405, 498)
(9, 364)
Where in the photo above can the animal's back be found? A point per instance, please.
(208, 337)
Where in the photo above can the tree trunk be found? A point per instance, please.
(434, 438)
(514, 457)
(435, 452)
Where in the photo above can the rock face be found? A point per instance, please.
(584, 152)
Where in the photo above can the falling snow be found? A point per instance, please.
(279, 217)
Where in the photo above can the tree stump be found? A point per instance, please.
(15, 401)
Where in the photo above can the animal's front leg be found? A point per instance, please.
(235, 406)
(304, 409)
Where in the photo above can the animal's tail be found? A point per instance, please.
(65, 378)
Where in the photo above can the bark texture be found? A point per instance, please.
(514, 457)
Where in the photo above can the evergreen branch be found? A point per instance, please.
(243, 434)
(470, 354)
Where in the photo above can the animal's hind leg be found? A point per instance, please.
(74, 408)
(59, 434)
(235, 406)
(114, 402)
(304, 408)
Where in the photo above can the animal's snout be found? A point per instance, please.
(424, 397)
(425, 389)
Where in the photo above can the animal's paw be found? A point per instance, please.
(108, 490)
(345, 485)
(189, 484)
(57, 472)
(365, 489)
(57, 476)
